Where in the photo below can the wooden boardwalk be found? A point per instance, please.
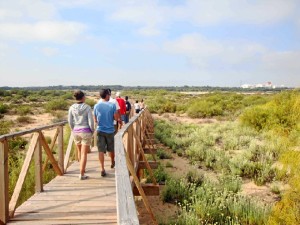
(68, 200)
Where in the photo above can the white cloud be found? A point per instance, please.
(203, 52)
(238, 11)
(59, 32)
(49, 51)
(25, 9)
(287, 61)
(152, 17)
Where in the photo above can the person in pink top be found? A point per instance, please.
(122, 105)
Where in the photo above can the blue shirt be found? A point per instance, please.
(104, 112)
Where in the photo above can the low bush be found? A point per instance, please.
(24, 110)
(90, 102)
(5, 126)
(59, 104)
(24, 119)
(3, 108)
(163, 154)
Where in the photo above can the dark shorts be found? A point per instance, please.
(105, 142)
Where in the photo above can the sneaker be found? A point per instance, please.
(83, 177)
(103, 173)
(112, 165)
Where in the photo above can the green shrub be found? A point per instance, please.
(17, 143)
(24, 119)
(23, 110)
(160, 175)
(5, 126)
(204, 109)
(169, 165)
(3, 108)
(59, 104)
(90, 102)
(282, 114)
(195, 177)
(175, 191)
(163, 154)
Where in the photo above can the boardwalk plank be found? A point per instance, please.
(68, 200)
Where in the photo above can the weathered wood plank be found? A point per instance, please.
(90, 214)
(70, 221)
(68, 152)
(152, 164)
(51, 147)
(38, 167)
(126, 210)
(49, 154)
(60, 146)
(4, 210)
(19, 184)
(38, 129)
(66, 198)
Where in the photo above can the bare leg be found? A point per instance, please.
(112, 157)
(89, 149)
(78, 152)
(101, 159)
(84, 150)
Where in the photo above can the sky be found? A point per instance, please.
(149, 42)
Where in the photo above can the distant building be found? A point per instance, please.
(266, 85)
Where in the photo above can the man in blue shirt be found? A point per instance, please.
(104, 113)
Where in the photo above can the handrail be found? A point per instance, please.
(128, 152)
(21, 133)
(38, 140)
(126, 210)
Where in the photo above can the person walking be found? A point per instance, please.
(128, 110)
(104, 114)
(137, 106)
(142, 104)
(81, 121)
(117, 121)
(122, 105)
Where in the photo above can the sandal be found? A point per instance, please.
(103, 173)
(112, 165)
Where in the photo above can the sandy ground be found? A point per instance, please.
(38, 120)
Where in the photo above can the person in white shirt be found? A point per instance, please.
(137, 106)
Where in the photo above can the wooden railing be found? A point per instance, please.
(37, 143)
(132, 142)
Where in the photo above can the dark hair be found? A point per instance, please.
(103, 93)
(78, 95)
(126, 97)
(109, 91)
(137, 101)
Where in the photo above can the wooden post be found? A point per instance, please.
(4, 210)
(38, 167)
(61, 149)
(68, 152)
(130, 143)
(50, 155)
(139, 187)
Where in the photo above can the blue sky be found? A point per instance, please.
(149, 42)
